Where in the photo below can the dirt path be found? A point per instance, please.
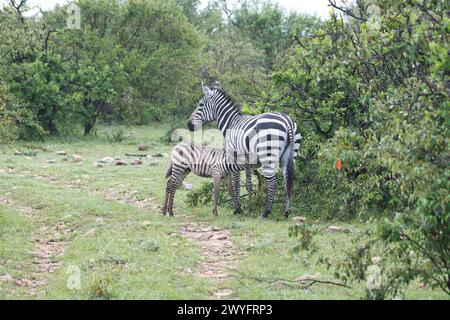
(218, 255)
(48, 248)
(217, 250)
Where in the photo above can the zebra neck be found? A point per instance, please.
(226, 117)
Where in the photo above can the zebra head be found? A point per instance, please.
(205, 111)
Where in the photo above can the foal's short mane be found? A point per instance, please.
(228, 98)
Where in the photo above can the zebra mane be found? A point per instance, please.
(228, 98)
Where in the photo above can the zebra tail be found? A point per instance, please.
(290, 168)
(169, 171)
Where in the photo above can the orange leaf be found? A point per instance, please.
(338, 164)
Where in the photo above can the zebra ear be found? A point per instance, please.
(206, 90)
(217, 86)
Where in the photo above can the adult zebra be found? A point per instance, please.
(263, 139)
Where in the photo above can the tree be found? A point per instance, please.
(383, 85)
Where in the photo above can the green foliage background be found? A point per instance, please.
(369, 86)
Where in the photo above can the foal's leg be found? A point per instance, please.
(172, 186)
(229, 185)
(216, 181)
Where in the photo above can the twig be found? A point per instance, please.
(289, 283)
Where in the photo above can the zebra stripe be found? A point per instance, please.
(267, 138)
(204, 162)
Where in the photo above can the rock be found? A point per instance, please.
(336, 229)
(219, 237)
(187, 186)
(61, 153)
(149, 157)
(143, 147)
(107, 160)
(121, 163)
(6, 278)
(50, 161)
(77, 158)
(65, 159)
(146, 223)
(223, 293)
(299, 219)
(90, 233)
(117, 158)
(153, 162)
(307, 277)
(137, 162)
(376, 260)
(98, 165)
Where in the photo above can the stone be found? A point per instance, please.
(146, 223)
(6, 278)
(336, 229)
(61, 153)
(65, 159)
(376, 260)
(107, 160)
(218, 237)
(98, 165)
(187, 186)
(90, 233)
(77, 158)
(143, 147)
(50, 161)
(299, 219)
(120, 163)
(223, 293)
(137, 162)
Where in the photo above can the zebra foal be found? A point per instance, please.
(204, 162)
(267, 139)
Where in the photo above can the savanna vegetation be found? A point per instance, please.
(368, 87)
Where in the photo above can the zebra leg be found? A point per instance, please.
(216, 180)
(248, 183)
(229, 185)
(272, 187)
(237, 192)
(287, 201)
(172, 186)
(164, 208)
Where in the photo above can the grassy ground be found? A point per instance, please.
(63, 221)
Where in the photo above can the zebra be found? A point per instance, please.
(264, 139)
(204, 162)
